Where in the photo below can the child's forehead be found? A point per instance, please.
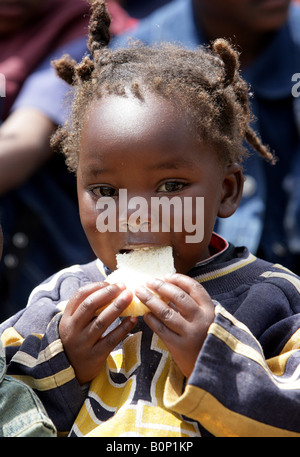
(116, 127)
(146, 134)
(119, 113)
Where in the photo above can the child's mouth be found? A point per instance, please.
(136, 247)
(125, 251)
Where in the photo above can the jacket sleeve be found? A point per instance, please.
(234, 390)
(34, 351)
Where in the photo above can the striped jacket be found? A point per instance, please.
(246, 381)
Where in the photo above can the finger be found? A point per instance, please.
(105, 345)
(189, 285)
(192, 287)
(163, 330)
(182, 300)
(81, 295)
(88, 308)
(206, 308)
(166, 314)
(106, 317)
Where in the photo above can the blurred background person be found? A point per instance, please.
(139, 9)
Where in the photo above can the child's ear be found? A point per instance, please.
(233, 183)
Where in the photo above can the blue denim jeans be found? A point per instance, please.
(21, 412)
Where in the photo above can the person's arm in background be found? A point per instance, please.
(24, 146)
(39, 108)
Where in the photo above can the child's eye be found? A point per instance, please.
(171, 186)
(105, 191)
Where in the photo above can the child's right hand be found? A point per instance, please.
(81, 329)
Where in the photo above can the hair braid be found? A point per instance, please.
(230, 59)
(99, 34)
(255, 142)
(65, 68)
(204, 83)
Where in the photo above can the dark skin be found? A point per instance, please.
(24, 135)
(144, 136)
(14, 14)
(249, 24)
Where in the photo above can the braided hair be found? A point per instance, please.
(205, 83)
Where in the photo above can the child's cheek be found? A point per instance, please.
(88, 212)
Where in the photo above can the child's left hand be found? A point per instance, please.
(183, 324)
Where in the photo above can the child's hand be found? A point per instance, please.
(81, 330)
(183, 324)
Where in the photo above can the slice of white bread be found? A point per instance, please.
(136, 267)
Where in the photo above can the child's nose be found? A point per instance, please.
(136, 217)
(134, 226)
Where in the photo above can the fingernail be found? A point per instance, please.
(169, 275)
(154, 282)
(140, 290)
(125, 294)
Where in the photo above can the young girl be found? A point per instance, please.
(217, 354)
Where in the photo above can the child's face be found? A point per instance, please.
(144, 150)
